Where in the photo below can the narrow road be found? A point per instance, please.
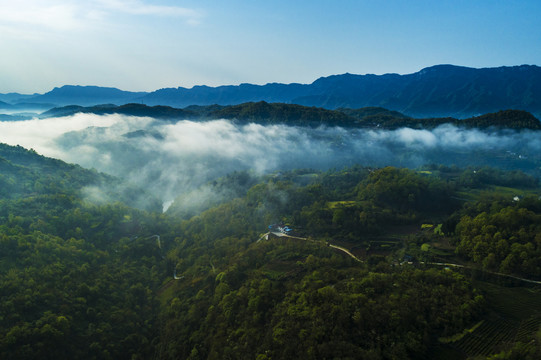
(488, 272)
(280, 234)
(176, 277)
(346, 251)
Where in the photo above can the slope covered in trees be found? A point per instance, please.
(24, 173)
(297, 115)
(75, 278)
(84, 279)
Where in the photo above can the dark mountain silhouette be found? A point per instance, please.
(85, 96)
(297, 115)
(226, 95)
(4, 105)
(438, 91)
(443, 90)
(158, 111)
(25, 106)
(13, 98)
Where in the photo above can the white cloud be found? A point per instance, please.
(39, 134)
(62, 15)
(173, 158)
(56, 15)
(139, 8)
(413, 137)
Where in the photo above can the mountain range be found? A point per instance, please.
(437, 91)
(297, 115)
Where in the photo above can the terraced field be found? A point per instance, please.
(491, 337)
(518, 303)
(514, 315)
(527, 328)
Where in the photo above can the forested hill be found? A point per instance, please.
(87, 280)
(24, 174)
(297, 115)
(159, 112)
(370, 117)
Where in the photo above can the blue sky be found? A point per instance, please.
(144, 45)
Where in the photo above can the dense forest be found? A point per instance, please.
(297, 115)
(376, 263)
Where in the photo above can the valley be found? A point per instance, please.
(378, 254)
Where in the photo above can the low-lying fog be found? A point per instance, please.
(171, 158)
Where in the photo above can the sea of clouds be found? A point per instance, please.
(172, 158)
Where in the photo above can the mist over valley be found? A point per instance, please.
(169, 158)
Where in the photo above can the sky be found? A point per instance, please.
(145, 45)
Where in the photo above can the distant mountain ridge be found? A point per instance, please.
(86, 96)
(442, 90)
(437, 91)
(298, 115)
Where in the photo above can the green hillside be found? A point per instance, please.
(297, 115)
(380, 264)
(26, 174)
